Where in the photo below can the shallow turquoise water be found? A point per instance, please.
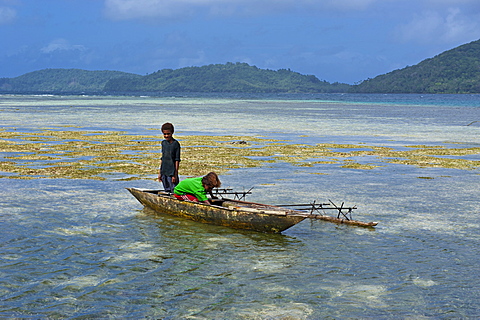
(87, 249)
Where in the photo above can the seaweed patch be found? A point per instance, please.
(74, 153)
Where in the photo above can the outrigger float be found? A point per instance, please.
(239, 214)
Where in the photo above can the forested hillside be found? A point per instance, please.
(454, 71)
(230, 77)
(61, 80)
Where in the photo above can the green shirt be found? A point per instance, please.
(191, 186)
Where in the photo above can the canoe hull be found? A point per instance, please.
(232, 217)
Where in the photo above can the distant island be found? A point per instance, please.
(60, 80)
(453, 71)
(230, 77)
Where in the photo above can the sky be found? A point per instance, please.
(344, 41)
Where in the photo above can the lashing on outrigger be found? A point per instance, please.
(316, 210)
(237, 195)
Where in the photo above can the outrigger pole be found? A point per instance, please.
(314, 211)
(345, 212)
(237, 195)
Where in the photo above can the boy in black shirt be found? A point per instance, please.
(170, 161)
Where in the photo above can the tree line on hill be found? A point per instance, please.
(60, 80)
(230, 77)
(453, 71)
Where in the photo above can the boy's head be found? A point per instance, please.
(168, 126)
(211, 181)
(167, 130)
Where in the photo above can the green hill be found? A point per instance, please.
(453, 71)
(61, 80)
(230, 77)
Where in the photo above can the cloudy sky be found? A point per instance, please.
(335, 40)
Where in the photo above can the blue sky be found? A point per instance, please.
(335, 40)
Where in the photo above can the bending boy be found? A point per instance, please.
(195, 189)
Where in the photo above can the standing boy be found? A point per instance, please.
(170, 161)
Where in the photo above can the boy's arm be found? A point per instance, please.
(176, 163)
(175, 175)
(160, 172)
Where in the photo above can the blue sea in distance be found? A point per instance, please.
(84, 249)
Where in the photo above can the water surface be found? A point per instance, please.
(87, 249)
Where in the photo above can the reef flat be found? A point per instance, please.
(75, 153)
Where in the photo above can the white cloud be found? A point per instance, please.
(61, 45)
(7, 15)
(451, 25)
(148, 9)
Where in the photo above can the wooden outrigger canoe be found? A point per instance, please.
(234, 213)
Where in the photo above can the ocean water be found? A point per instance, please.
(84, 249)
